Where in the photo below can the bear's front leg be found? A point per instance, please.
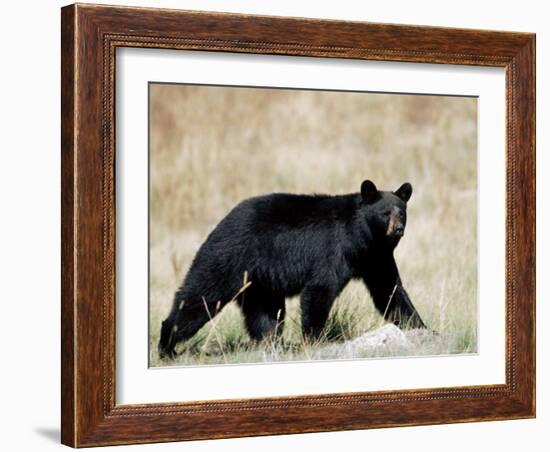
(400, 310)
(315, 302)
(389, 296)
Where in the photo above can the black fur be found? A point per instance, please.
(295, 244)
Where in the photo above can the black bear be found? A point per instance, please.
(287, 244)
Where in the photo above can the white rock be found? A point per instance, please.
(387, 336)
(386, 340)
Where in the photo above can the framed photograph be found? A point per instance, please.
(281, 225)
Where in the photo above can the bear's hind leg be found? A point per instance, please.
(264, 313)
(184, 321)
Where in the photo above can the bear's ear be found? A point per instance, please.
(369, 192)
(405, 191)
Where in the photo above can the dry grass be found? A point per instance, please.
(211, 147)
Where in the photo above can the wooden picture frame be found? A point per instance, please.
(90, 35)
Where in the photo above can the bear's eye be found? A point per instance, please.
(386, 212)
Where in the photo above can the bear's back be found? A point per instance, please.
(268, 235)
(291, 211)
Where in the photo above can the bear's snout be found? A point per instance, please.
(396, 228)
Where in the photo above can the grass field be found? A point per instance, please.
(211, 147)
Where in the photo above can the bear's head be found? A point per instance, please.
(385, 211)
